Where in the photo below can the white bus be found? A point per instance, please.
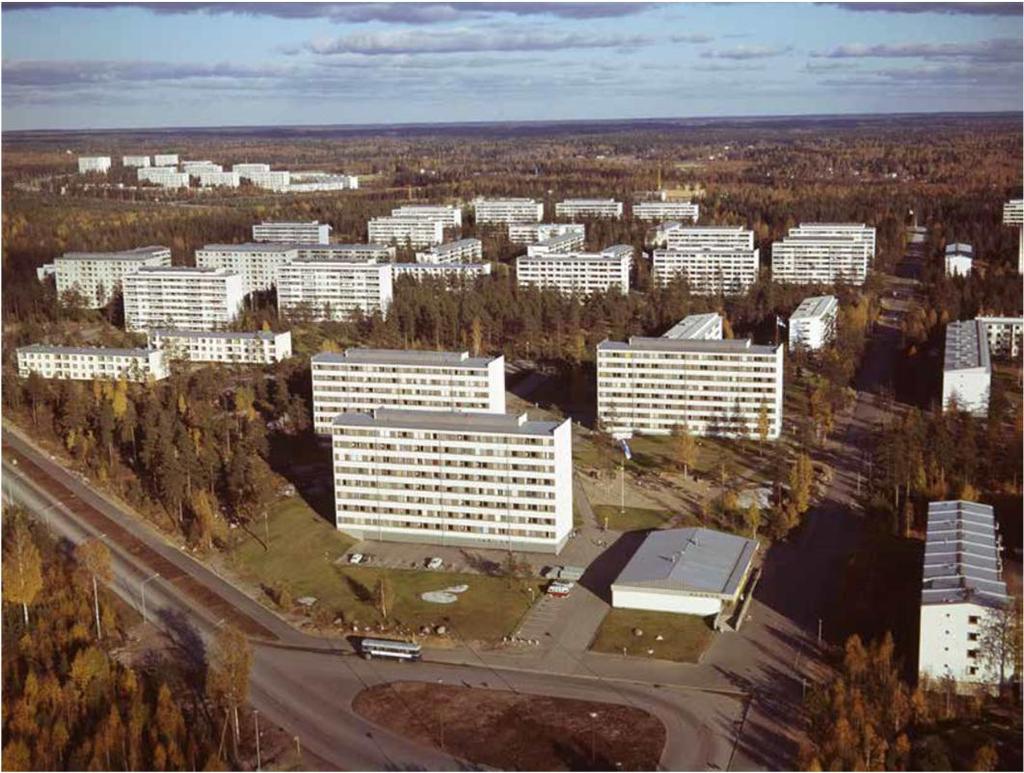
(388, 648)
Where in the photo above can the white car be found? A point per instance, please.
(560, 589)
(435, 563)
(355, 558)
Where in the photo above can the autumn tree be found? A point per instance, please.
(94, 557)
(227, 678)
(384, 595)
(22, 568)
(685, 447)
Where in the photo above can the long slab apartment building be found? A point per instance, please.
(1013, 215)
(577, 272)
(195, 298)
(711, 259)
(812, 325)
(312, 232)
(491, 480)
(562, 243)
(333, 289)
(824, 253)
(460, 251)
(450, 272)
(93, 164)
(450, 216)
(710, 386)
(164, 176)
(414, 231)
(531, 233)
(573, 208)
(666, 210)
(510, 211)
(79, 363)
(96, 276)
(260, 347)
(966, 368)
(256, 262)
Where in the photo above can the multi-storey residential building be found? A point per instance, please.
(452, 272)
(261, 347)
(196, 168)
(134, 161)
(97, 276)
(87, 363)
(360, 380)
(1013, 214)
(1004, 335)
(370, 253)
(313, 232)
(820, 259)
(966, 368)
(531, 233)
(449, 215)
(508, 211)
(93, 164)
(666, 210)
(859, 231)
(454, 478)
(709, 270)
(256, 262)
(697, 327)
(181, 297)
(958, 259)
(212, 178)
(165, 159)
(573, 208)
(812, 324)
(710, 237)
(962, 594)
(414, 231)
(461, 251)
(659, 235)
(164, 176)
(306, 182)
(277, 181)
(710, 387)
(333, 289)
(575, 272)
(244, 170)
(561, 244)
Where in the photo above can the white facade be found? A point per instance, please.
(666, 210)
(135, 161)
(1013, 214)
(245, 170)
(531, 233)
(361, 380)
(260, 347)
(561, 244)
(461, 251)
(966, 368)
(350, 253)
(165, 159)
(182, 297)
(93, 164)
(88, 363)
(652, 385)
(447, 214)
(277, 181)
(859, 231)
(307, 182)
(958, 259)
(697, 327)
(256, 262)
(449, 271)
(197, 168)
(812, 324)
(508, 211)
(659, 235)
(962, 585)
(333, 289)
(1004, 335)
(211, 178)
(573, 208)
(710, 237)
(707, 271)
(414, 231)
(576, 272)
(164, 176)
(98, 275)
(450, 478)
(825, 260)
(313, 232)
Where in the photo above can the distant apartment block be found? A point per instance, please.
(659, 235)
(246, 169)
(966, 368)
(1004, 335)
(97, 276)
(333, 289)
(182, 297)
(962, 588)
(195, 168)
(858, 231)
(261, 347)
(451, 272)
(93, 164)
(707, 271)
(461, 251)
(805, 257)
(309, 182)
(575, 272)
(450, 216)
(697, 327)
(411, 231)
(313, 232)
(1013, 214)
(666, 210)
(508, 211)
(88, 363)
(561, 244)
(531, 233)
(134, 161)
(710, 237)
(453, 478)
(360, 380)
(164, 176)
(368, 253)
(256, 262)
(574, 208)
(812, 325)
(165, 159)
(262, 176)
(958, 259)
(212, 178)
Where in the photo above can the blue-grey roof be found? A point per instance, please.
(961, 556)
(727, 346)
(449, 421)
(413, 357)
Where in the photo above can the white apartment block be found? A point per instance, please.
(1004, 335)
(575, 272)
(164, 176)
(709, 270)
(959, 259)
(561, 244)
(461, 251)
(812, 324)
(508, 211)
(412, 231)
(451, 272)
(531, 233)
(333, 289)
(165, 159)
(823, 260)
(256, 262)
(712, 387)
(859, 231)
(313, 232)
(659, 235)
(1013, 214)
(261, 347)
(211, 178)
(710, 237)
(196, 168)
(88, 363)
(245, 170)
(961, 586)
(449, 215)
(308, 182)
(361, 380)
(966, 368)
(573, 208)
(451, 478)
(134, 161)
(93, 164)
(697, 327)
(666, 210)
(98, 275)
(182, 297)
(277, 181)
(369, 253)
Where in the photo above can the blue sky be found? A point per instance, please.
(109, 65)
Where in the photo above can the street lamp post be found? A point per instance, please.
(593, 738)
(142, 593)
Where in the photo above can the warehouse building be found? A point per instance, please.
(576, 272)
(812, 324)
(79, 363)
(507, 211)
(966, 368)
(573, 208)
(411, 231)
(256, 262)
(97, 276)
(320, 289)
(281, 232)
(181, 296)
(461, 251)
(666, 210)
(261, 347)
(531, 233)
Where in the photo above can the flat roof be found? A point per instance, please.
(726, 346)
(93, 350)
(689, 326)
(293, 222)
(457, 244)
(449, 421)
(592, 257)
(413, 357)
(135, 253)
(266, 335)
(589, 201)
(413, 267)
(814, 306)
(836, 225)
(961, 560)
(251, 247)
(186, 270)
(960, 248)
(966, 346)
(694, 559)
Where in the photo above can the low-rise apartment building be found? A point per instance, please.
(411, 231)
(531, 233)
(320, 289)
(461, 251)
(256, 262)
(165, 159)
(451, 272)
(575, 272)
(164, 176)
(573, 208)
(449, 215)
(812, 325)
(134, 161)
(966, 368)
(194, 298)
(97, 276)
(313, 232)
(666, 210)
(360, 380)
(260, 347)
(85, 363)
(508, 211)
(93, 164)
(453, 478)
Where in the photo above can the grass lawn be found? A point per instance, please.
(304, 547)
(685, 636)
(632, 518)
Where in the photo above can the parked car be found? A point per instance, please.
(356, 558)
(560, 589)
(434, 563)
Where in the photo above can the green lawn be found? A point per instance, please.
(632, 518)
(685, 636)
